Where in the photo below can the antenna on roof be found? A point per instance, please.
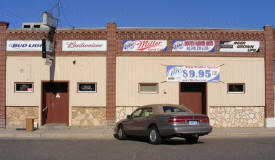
(58, 11)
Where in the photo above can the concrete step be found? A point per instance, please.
(54, 126)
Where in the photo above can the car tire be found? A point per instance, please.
(192, 139)
(154, 136)
(121, 133)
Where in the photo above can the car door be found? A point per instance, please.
(144, 121)
(130, 126)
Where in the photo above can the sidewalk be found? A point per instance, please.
(105, 132)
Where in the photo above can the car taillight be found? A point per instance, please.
(188, 118)
(179, 119)
(204, 119)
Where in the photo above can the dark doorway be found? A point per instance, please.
(55, 102)
(193, 96)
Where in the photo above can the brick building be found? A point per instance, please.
(99, 75)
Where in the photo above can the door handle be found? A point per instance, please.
(44, 109)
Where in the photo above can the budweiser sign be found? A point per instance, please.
(144, 45)
(84, 45)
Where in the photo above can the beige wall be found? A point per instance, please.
(133, 70)
(33, 69)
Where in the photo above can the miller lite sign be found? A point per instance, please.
(145, 45)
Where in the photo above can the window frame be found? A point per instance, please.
(230, 92)
(15, 83)
(79, 83)
(144, 92)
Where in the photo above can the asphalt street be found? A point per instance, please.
(222, 148)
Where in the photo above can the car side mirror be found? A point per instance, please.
(129, 117)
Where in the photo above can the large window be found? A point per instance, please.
(236, 88)
(86, 87)
(23, 87)
(148, 88)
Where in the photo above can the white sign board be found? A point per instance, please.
(84, 45)
(49, 20)
(192, 73)
(239, 46)
(24, 45)
(145, 45)
(193, 45)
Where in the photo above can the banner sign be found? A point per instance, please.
(192, 74)
(239, 46)
(145, 45)
(193, 45)
(19, 45)
(84, 45)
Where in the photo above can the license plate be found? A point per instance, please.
(192, 123)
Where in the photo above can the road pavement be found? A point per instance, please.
(212, 148)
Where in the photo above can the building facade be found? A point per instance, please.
(98, 76)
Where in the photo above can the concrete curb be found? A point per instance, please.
(107, 133)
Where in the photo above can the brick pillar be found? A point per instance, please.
(269, 92)
(111, 74)
(3, 35)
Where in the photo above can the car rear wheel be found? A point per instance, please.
(154, 136)
(121, 133)
(192, 139)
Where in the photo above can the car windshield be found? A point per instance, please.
(174, 109)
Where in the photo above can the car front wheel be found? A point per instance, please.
(154, 136)
(121, 133)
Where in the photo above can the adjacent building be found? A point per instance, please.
(99, 75)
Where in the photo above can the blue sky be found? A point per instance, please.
(251, 14)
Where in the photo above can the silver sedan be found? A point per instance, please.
(160, 121)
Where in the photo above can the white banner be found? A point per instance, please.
(19, 45)
(192, 73)
(84, 45)
(239, 46)
(145, 45)
(193, 45)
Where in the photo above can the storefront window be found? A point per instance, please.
(148, 88)
(86, 87)
(23, 87)
(235, 88)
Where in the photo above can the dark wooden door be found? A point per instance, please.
(55, 107)
(193, 96)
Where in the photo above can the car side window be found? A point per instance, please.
(147, 112)
(137, 113)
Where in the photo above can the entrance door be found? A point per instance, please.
(193, 96)
(55, 103)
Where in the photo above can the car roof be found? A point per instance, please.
(157, 108)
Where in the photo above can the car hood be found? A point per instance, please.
(121, 121)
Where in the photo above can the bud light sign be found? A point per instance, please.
(145, 45)
(24, 45)
(193, 45)
(192, 74)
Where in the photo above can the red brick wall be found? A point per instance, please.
(3, 33)
(111, 74)
(269, 92)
